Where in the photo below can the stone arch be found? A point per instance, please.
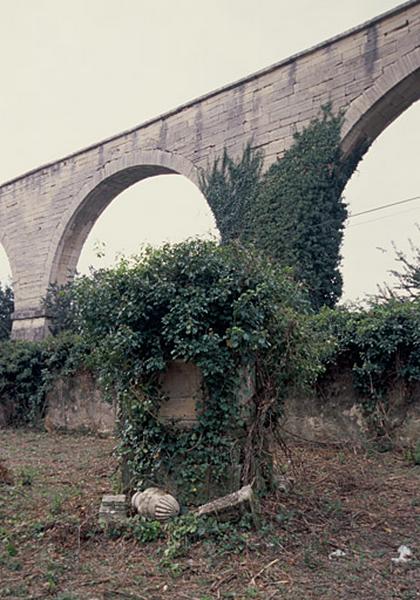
(392, 93)
(94, 197)
(8, 252)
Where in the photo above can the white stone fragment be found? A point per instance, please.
(405, 554)
(336, 554)
(155, 503)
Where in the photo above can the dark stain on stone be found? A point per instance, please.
(163, 135)
(371, 48)
(256, 101)
(198, 128)
(134, 139)
(101, 155)
(237, 107)
(291, 75)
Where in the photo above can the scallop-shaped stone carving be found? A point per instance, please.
(154, 503)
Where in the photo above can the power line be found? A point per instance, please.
(370, 210)
(382, 206)
(400, 212)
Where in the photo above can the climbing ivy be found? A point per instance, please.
(380, 344)
(294, 212)
(299, 215)
(27, 370)
(223, 308)
(231, 188)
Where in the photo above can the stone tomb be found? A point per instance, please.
(185, 396)
(182, 385)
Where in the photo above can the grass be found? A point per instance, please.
(366, 504)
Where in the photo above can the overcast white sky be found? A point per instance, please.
(76, 71)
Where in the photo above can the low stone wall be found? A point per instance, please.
(334, 414)
(75, 403)
(331, 414)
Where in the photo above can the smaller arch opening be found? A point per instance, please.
(6, 295)
(374, 110)
(5, 269)
(387, 174)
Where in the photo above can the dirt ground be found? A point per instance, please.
(365, 504)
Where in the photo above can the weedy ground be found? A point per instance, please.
(364, 503)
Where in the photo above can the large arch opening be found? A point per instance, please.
(127, 209)
(388, 174)
(155, 211)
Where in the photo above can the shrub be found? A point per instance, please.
(21, 380)
(381, 344)
(27, 369)
(220, 307)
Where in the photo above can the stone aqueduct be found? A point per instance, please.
(371, 72)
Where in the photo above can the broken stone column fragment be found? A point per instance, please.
(232, 506)
(155, 503)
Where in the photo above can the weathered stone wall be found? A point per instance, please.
(75, 403)
(371, 72)
(333, 414)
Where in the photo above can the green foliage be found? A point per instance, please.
(21, 381)
(180, 533)
(145, 531)
(27, 475)
(6, 310)
(294, 212)
(59, 306)
(27, 369)
(406, 278)
(189, 528)
(56, 506)
(298, 217)
(381, 345)
(223, 308)
(231, 188)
